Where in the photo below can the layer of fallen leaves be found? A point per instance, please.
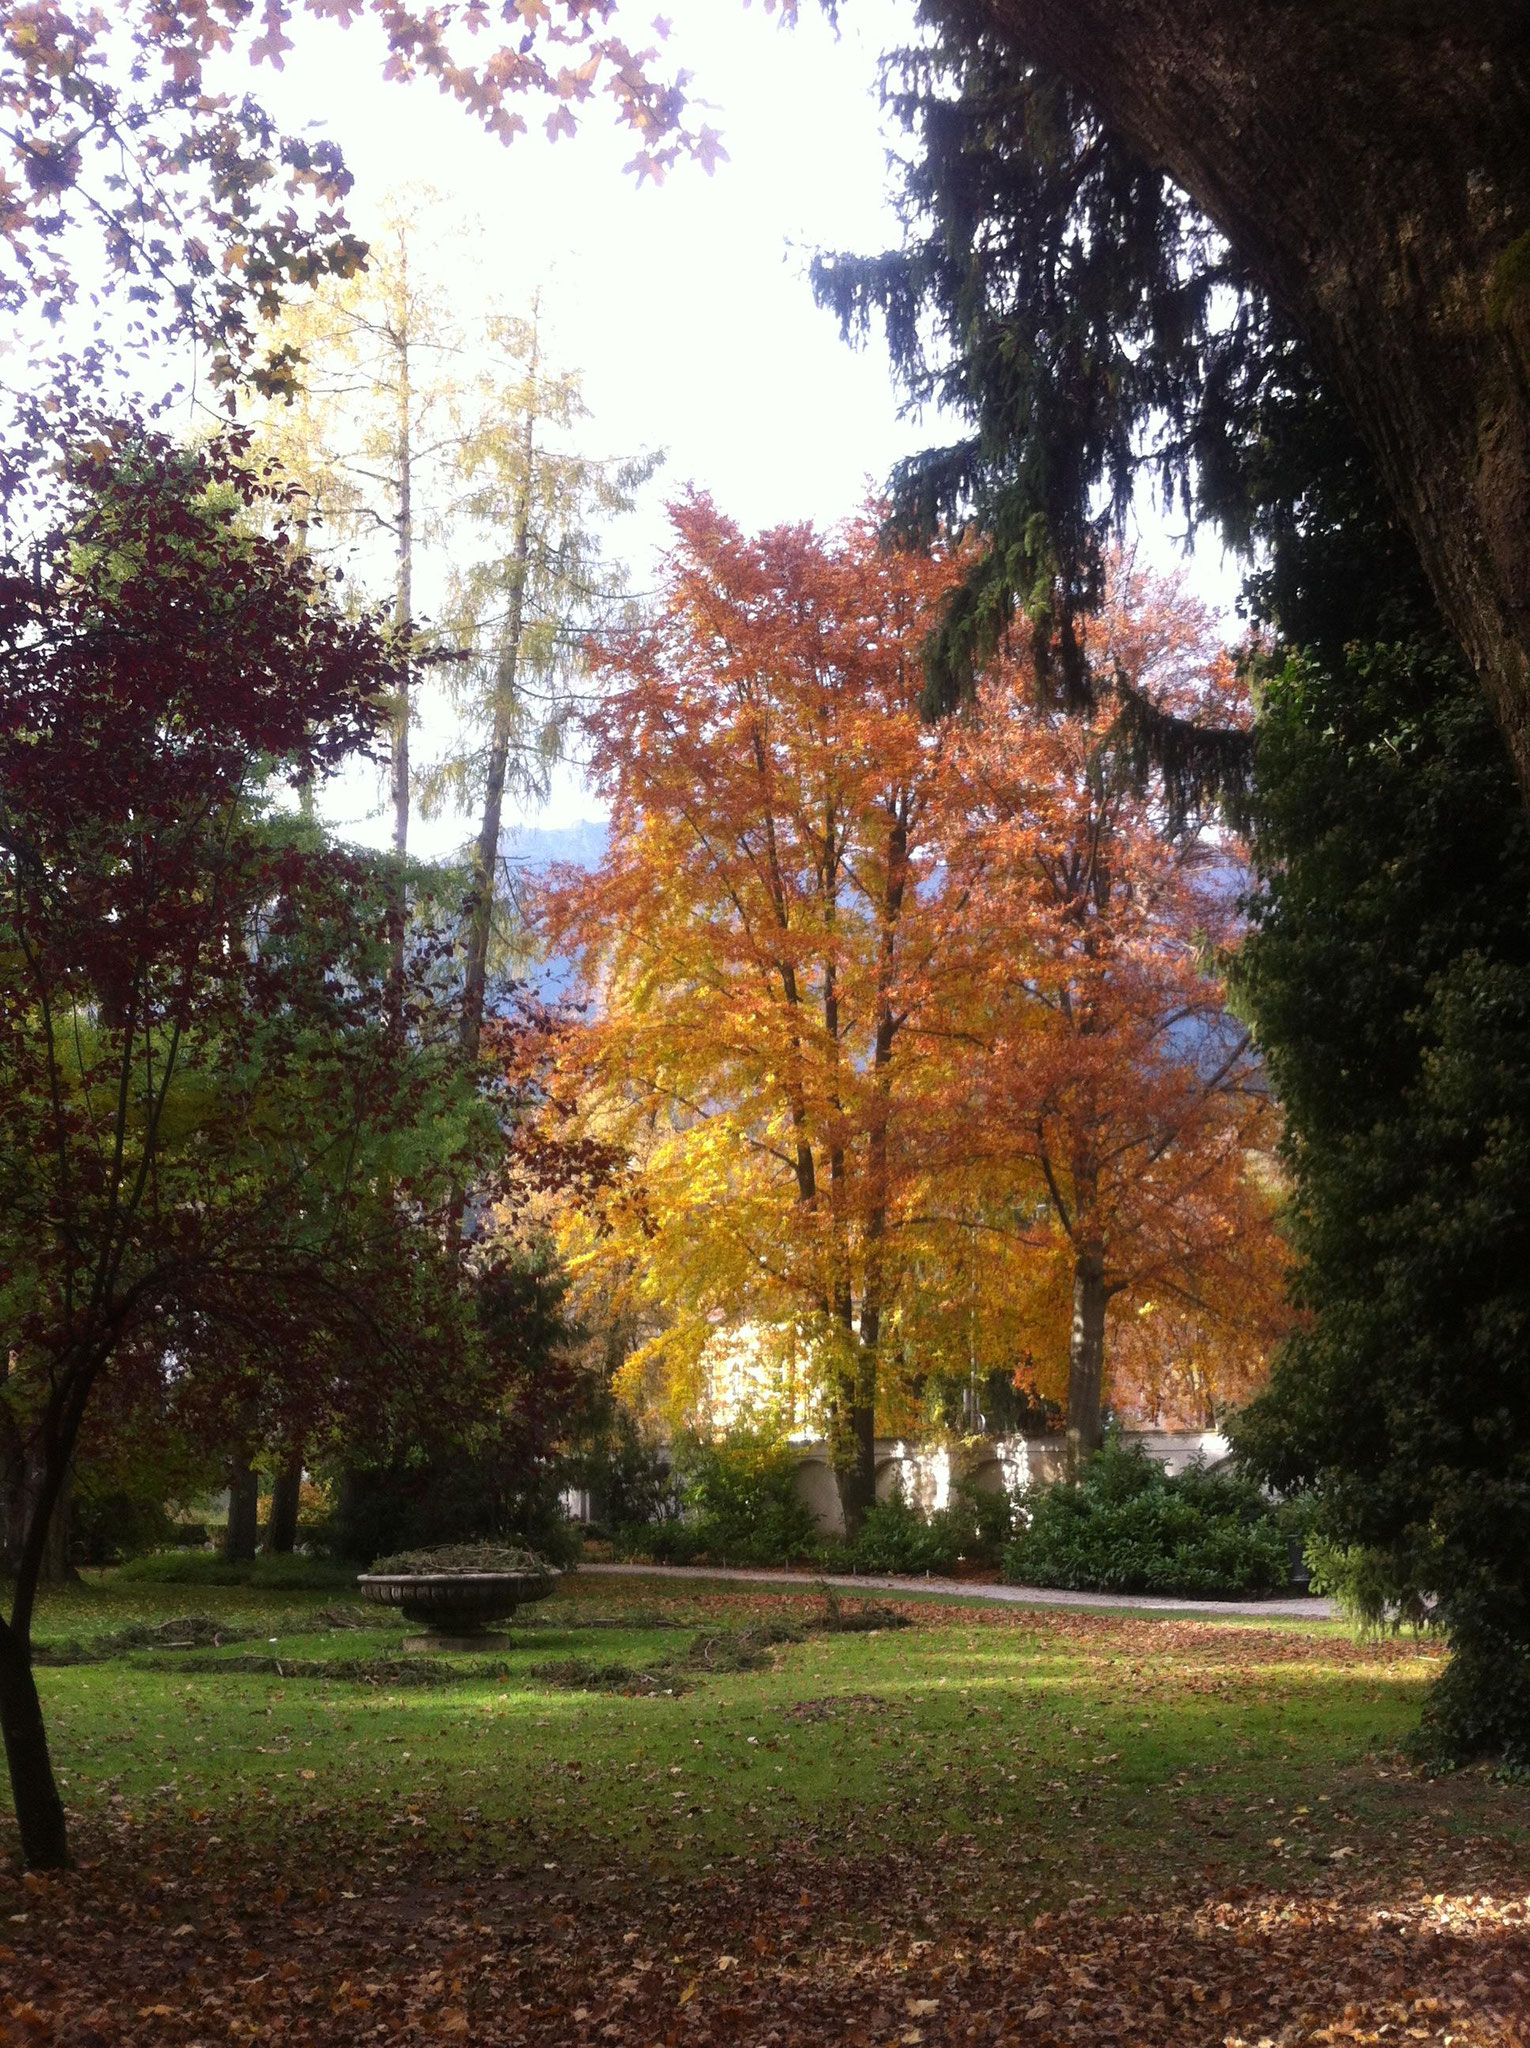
(791, 1953)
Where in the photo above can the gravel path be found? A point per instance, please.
(962, 1589)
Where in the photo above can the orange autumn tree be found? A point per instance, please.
(764, 943)
(909, 1034)
(1113, 1102)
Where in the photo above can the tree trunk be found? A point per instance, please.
(23, 1485)
(243, 1532)
(39, 1810)
(55, 1569)
(1086, 1355)
(403, 619)
(480, 907)
(857, 1477)
(286, 1492)
(1368, 162)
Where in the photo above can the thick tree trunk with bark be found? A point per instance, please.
(242, 1535)
(1369, 161)
(1086, 1354)
(286, 1493)
(856, 1476)
(23, 1482)
(39, 1810)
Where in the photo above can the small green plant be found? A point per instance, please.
(1366, 1588)
(1127, 1526)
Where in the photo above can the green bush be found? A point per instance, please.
(272, 1574)
(107, 1526)
(1126, 1526)
(896, 1538)
(740, 1505)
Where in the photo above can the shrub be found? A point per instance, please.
(627, 1474)
(896, 1538)
(106, 1527)
(740, 1506)
(1126, 1526)
(272, 1574)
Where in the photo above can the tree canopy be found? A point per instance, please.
(908, 1033)
(215, 1150)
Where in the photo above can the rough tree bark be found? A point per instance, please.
(243, 1531)
(286, 1494)
(1368, 160)
(1086, 1354)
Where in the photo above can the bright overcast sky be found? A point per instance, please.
(685, 306)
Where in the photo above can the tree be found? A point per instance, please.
(1367, 170)
(762, 934)
(202, 1114)
(1108, 1092)
(1388, 977)
(1119, 247)
(191, 198)
(894, 1020)
(1384, 979)
(529, 584)
(372, 437)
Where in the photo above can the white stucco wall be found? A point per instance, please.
(929, 1472)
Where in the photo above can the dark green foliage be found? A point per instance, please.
(628, 1475)
(741, 1506)
(278, 1574)
(499, 1474)
(1388, 977)
(896, 1538)
(1062, 297)
(105, 1528)
(1128, 1527)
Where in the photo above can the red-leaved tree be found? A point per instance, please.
(213, 1150)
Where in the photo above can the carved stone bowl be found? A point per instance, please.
(457, 1603)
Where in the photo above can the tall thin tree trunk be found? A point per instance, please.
(23, 1482)
(243, 1532)
(480, 922)
(56, 1569)
(286, 1494)
(403, 616)
(1086, 1354)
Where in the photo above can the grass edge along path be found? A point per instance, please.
(1277, 1607)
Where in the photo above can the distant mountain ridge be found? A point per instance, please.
(535, 847)
(528, 851)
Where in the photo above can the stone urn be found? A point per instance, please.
(456, 1601)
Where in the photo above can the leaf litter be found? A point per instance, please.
(795, 1951)
(533, 1932)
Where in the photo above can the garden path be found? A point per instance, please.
(965, 1589)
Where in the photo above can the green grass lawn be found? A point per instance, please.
(673, 1814)
(1044, 1752)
